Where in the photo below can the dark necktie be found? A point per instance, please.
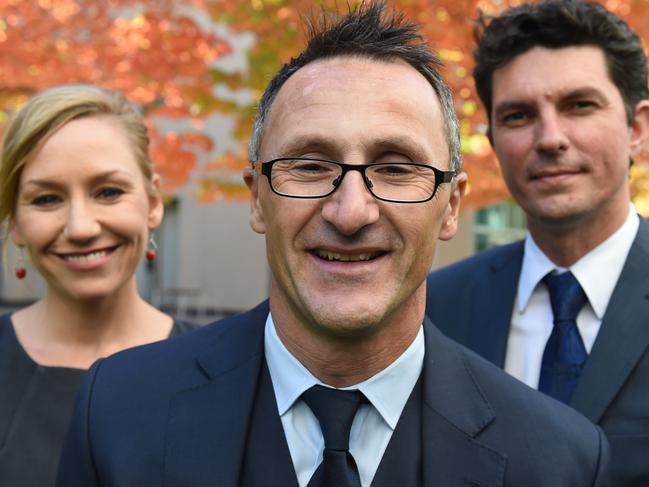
(335, 410)
(565, 355)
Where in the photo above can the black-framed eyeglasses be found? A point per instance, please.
(397, 182)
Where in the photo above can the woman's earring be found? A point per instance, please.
(152, 249)
(21, 272)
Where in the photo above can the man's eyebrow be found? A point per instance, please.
(402, 144)
(301, 144)
(585, 92)
(572, 94)
(396, 143)
(508, 106)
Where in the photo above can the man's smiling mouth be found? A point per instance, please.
(347, 257)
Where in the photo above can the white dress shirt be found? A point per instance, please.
(374, 423)
(597, 272)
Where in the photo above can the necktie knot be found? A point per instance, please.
(566, 296)
(335, 410)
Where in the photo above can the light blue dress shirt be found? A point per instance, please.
(597, 272)
(388, 391)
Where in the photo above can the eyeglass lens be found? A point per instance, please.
(314, 178)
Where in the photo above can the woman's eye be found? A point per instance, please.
(46, 200)
(110, 193)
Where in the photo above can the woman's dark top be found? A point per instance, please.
(36, 405)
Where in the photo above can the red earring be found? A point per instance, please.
(21, 272)
(152, 251)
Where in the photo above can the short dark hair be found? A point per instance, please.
(561, 23)
(370, 31)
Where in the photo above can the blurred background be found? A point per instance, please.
(197, 69)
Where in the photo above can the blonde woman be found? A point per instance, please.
(78, 195)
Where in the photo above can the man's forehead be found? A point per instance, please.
(344, 73)
(353, 101)
(563, 69)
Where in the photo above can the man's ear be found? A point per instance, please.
(452, 212)
(640, 127)
(257, 222)
(156, 205)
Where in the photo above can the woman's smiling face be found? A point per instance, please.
(84, 209)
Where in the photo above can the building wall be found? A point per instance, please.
(224, 261)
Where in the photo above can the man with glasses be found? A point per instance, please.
(337, 380)
(564, 84)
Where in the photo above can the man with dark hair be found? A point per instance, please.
(337, 380)
(564, 84)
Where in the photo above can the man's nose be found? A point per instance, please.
(82, 223)
(551, 133)
(352, 206)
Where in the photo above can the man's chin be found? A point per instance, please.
(346, 322)
(558, 218)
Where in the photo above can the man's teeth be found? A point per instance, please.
(346, 257)
(87, 257)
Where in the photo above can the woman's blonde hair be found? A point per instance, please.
(50, 110)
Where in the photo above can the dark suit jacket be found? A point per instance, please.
(472, 302)
(176, 413)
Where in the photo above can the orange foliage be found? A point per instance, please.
(156, 52)
(447, 24)
(175, 155)
(151, 50)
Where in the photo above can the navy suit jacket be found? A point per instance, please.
(176, 413)
(472, 302)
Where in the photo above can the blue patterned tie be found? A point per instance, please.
(565, 354)
(335, 410)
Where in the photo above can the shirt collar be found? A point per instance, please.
(535, 266)
(597, 272)
(388, 391)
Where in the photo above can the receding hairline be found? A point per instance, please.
(348, 57)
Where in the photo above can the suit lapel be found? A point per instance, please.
(207, 426)
(492, 303)
(454, 412)
(267, 460)
(624, 327)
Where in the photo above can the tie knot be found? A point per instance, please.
(566, 296)
(335, 410)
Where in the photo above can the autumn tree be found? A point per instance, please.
(448, 26)
(152, 50)
(158, 53)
